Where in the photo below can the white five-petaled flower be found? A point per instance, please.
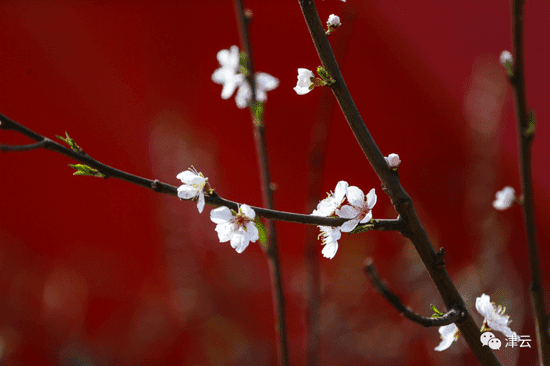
(360, 210)
(494, 315)
(239, 229)
(193, 186)
(329, 236)
(328, 206)
(393, 160)
(504, 198)
(333, 21)
(264, 83)
(228, 74)
(305, 81)
(449, 334)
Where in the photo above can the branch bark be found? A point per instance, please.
(399, 197)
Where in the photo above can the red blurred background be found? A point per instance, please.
(100, 272)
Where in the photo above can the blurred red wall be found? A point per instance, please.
(102, 272)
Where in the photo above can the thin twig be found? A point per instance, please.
(161, 187)
(525, 137)
(450, 317)
(399, 197)
(38, 145)
(267, 192)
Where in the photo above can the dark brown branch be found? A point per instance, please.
(160, 187)
(38, 145)
(261, 151)
(525, 140)
(450, 317)
(399, 197)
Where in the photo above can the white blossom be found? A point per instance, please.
(264, 83)
(333, 21)
(328, 206)
(330, 236)
(360, 210)
(193, 186)
(238, 228)
(228, 74)
(494, 315)
(449, 334)
(506, 58)
(305, 81)
(504, 198)
(393, 160)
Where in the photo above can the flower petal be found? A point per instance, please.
(252, 232)
(187, 192)
(347, 212)
(225, 231)
(239, 241)
(341, 190)
(447, 333)
(371, 199)
(200, 204)
(247, 211)
(330, 249)
(349, 225)
(221, 215)
(367, 218)
(355, 196)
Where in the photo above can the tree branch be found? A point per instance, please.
(525, 137)
(161, 187)
(261, 151)
(450, 317)
(400, 199)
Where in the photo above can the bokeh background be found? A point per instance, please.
(100, 272)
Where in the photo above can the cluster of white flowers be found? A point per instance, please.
(358, 211)
(504, 198)
(494, 319)
(237, 228)
(229, 76)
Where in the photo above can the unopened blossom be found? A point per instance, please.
(193, 186)
(393, 160)
(333, 21)
(228, 74)
(305, 81)
(360, 210)
(238, 229)
(504, 198)
(506, 57)
(328, 206)
(449, 334)
(494, 315)
(330, 236)
(264, 83)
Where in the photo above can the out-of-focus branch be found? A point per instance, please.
(399, 197)
(525, 137)
(316, 158)
(261, 151)
(450, 317)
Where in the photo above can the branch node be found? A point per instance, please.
(155, 185)
(440, 257)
